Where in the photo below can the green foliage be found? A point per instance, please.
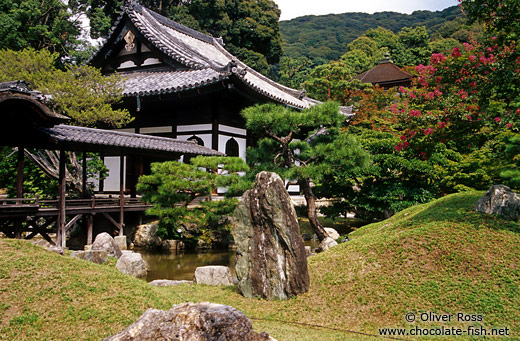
(326, 37)
(292, 72)
(172, 188)
(307, 145)
(511, 171)
(80, 92)
(37, 24)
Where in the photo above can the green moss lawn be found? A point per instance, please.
(439, 257)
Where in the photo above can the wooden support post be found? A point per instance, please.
(121, 194)
(19, 174)
(19, 191)
(60, 236)
(90, 225)
(84, 175)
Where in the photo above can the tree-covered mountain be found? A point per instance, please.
(325, 37)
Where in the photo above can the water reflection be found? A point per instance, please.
(182, 266)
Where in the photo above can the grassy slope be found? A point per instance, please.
(438, 257)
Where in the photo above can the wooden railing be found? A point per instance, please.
(69, 203)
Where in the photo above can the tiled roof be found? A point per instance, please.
(384, 73)
(18, 90)
(100, 140)
(144, 83)
(196, 51)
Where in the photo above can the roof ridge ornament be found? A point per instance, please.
(386, 59)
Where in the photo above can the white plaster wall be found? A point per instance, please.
(111, 183)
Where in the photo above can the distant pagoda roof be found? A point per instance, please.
(385, 74)
(203, 57)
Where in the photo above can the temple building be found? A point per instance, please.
(183, 84)
(386, 74)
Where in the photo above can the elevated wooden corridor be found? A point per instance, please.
(33, 216)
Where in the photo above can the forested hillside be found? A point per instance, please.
(324, 38)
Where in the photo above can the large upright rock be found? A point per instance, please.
(105, 242)
(501, 200)
(271, 259)
(192, 321)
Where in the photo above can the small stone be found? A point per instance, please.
(213, 275)
(105, 242)
(94, 256)
(192, 321)
(168, 283)
(332, 233)
(308, 251)
(48, 246)
(121, 242)
(132, 264)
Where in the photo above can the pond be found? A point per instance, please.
(181, 266)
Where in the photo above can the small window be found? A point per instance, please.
(232, 147)
(198, 141)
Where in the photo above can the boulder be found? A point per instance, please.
(48, 246)
(213, 275)
(168, 283)
(332, 233)
(327, 243)
(172, 246)
(500, 200)
(94, 256)
(146, 236)
(121, 242)
(271, 260)
(105, 242)
(131, 263)
(308, 251)
(192, 321)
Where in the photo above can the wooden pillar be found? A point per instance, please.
(121, 194)
(90, 225)
(84, 175)
(19, 190)
(60, 236)
(19, 174)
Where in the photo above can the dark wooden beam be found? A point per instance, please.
(60, 235)
(121, 194)
(19, 173)
(84, 175)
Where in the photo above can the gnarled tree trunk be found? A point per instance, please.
(305, 186)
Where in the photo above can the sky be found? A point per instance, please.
(297, 8)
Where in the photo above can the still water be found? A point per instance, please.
(181, 266)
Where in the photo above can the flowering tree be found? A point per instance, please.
(460, 110)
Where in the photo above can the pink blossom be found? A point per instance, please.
(518, 111)
(437, 58)
(468, 47)
(497, 119)
(456, 52)
(441, 125)
(472, 58)
(403, 138)
(509, 125)
(473, 84)
(468, 117)
(414, 112)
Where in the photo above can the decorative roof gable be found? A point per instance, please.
(204, 57)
